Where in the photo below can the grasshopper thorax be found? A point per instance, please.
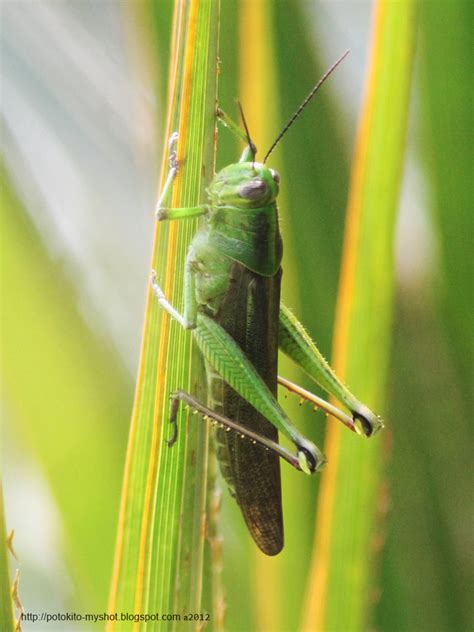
(245, 185)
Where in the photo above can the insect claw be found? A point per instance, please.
(172, 141)
(172, 151)
(160, 213)
(155, 287)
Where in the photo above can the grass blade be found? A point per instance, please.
(429, 529)
(339, 594)
(159, 554)
(447, 69)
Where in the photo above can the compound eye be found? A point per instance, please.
(275, 175)
(253, 189)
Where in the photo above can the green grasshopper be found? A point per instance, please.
(232, 304)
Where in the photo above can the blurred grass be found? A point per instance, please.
(446, 77)
(67, 393)
(347, 537)
(159, 554)
(151, 25)
(430, 533)
(6, 604)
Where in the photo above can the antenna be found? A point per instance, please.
(305, 103)
(252, 147)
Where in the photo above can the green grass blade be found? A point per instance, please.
(6, 604)
(447, 67)
(429, 530)
(159, 553)
(339, 589)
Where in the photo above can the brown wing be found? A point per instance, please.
(249, 314)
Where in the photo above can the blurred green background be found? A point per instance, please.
(83, 96)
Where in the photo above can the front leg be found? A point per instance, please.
(173, 170)
(163, 212)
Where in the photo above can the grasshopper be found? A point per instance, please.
(232, 305)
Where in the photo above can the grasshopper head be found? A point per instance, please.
(245, 185)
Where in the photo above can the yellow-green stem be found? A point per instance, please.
(340, 590)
